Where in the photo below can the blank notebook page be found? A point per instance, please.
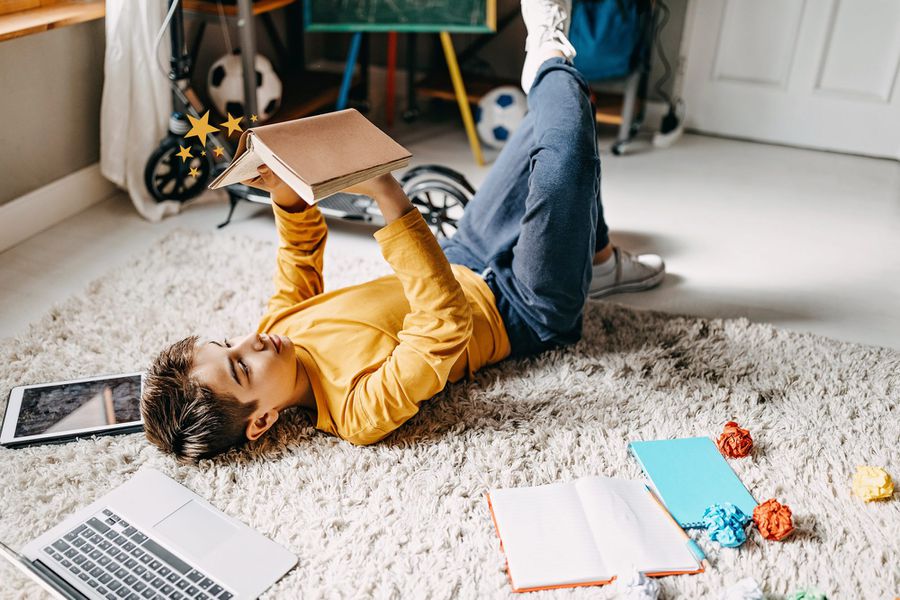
(546, 536)
(631, 529)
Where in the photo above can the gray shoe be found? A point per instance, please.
(632, 273)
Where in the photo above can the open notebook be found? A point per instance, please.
(587, 532)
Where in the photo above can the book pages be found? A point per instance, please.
(630, 528)
(546, 537)
(244, 167)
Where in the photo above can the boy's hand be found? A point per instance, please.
(281, 193)
(387, 193)
(372, 187)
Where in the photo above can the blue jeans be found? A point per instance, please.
(535, 223)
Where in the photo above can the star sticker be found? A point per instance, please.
(195, 172)
(253, 118)
(185, 153)
(200, 128)
(203, 153)
(218, 150)
(232, 124)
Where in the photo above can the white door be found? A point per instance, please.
(815, 73)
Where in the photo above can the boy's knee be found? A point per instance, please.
(563, 76)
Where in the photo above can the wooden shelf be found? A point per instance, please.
(304, 93)
(307, 92)
(609, 105)
(609, 108)
(230, 10)
(36, 16)
(438, 85)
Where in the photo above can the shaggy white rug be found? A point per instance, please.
(406, 517)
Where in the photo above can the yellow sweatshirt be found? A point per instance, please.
(374, 351)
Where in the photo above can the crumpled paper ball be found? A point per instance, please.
(773, 520)
(734, 441)
(637, 586)
(745, 589)
(809, 594)
(872, 483)
(725, 524)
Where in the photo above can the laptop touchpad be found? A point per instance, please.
(196, 529)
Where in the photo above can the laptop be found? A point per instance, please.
(152, 538)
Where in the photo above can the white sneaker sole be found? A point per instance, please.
(632, 286)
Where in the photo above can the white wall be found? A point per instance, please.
(50, 89)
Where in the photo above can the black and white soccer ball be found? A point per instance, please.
(498, 115)
(225, 85)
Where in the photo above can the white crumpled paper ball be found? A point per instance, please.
(637, 586)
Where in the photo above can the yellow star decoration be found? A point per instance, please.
(232, 124)
(203, 153)
(218, 150)
(200, 128)
(253, 118)
(185, 153)
(195, 172)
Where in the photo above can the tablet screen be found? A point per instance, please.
(66, 407)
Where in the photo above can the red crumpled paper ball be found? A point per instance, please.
(773, 520)
(734, 441)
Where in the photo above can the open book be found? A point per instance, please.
(587, 532)
(316, 156)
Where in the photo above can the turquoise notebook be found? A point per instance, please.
(690, 474)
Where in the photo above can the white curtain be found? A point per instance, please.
(136, 101)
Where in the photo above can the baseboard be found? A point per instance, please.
(48, 205)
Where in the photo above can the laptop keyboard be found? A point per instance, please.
(118, 561)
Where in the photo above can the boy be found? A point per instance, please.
(531, 246)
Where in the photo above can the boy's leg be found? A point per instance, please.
(537, 219)
(546, 272)
(490, 223)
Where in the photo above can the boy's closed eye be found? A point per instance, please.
(241, 364)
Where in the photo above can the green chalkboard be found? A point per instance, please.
(471, 16)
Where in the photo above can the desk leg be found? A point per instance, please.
(412, 106)
(460, 89)
(344, 94)
(391, 79)
(248, 57)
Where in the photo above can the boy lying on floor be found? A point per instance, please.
(531, 246)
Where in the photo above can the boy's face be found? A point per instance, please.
(259, 366)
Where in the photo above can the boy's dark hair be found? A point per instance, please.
(185, 418)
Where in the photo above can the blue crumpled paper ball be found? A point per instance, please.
(725, 524)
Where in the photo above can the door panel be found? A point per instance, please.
(757, 40)
(863, 33)
(813, 73)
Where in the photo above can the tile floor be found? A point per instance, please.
(807, 240)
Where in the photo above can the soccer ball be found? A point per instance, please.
(498, 114)
(225, 84)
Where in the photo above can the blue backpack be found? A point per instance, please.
(606, 35)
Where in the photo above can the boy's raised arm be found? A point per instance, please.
(435, 332)
(301, 249)
(302, 233)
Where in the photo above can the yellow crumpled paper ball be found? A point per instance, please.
(872, 483)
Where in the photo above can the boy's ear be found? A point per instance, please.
(260, 423)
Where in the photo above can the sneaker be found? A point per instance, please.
(547, 22)
(628, 273)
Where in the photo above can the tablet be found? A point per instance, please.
(65, 410)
